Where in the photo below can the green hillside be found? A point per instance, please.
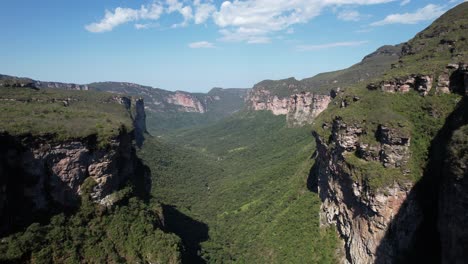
(65, 114)
(371, 66)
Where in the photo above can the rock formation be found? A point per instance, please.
(365, 216)
(300, 108)
(42, 172)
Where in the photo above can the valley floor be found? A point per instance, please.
(238, 191)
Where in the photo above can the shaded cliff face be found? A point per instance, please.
(453, 197)
(363, 213)
(39, 173)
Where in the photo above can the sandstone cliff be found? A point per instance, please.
(364, 214)
(300, 108)
(43, 172)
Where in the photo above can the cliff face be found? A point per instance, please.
(299, 108)
(43, 172)
(363, 215)
(187, 102)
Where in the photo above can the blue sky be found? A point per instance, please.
(196, 45)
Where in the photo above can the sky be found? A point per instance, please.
(200, 44)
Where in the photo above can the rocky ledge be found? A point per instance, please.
(453, 79)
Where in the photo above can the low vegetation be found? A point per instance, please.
(65, 114)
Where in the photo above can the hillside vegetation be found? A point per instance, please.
(64, 114)
(246, 179)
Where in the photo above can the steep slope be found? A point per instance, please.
(379, 151)
(302, 101)
(67, 158)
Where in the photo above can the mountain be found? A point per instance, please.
(302, 101)
(385, 168)
(166, 110)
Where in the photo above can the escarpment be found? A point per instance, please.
(46, 169)
(299, 108)
(349, 173)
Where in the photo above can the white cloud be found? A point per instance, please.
(349, 15)
(330, 45)
(267, 17)
(251, 21)
(124, 15)
(429, 12)
(203, 12)
(405, 2)
(201, 44)
(146, 25)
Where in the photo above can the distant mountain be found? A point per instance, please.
(301, 101)
(166, 110)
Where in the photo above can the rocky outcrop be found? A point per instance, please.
(304, 107)
(420, 83)
(300, 108)
(187, 101)
(40, 172)
(365, 216)
(453, 79)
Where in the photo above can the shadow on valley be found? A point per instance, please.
(425, 245)
(191, 231)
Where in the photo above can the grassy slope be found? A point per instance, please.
(38, 112)
(371, 66)
(246, 178)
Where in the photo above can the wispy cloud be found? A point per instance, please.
(124, 15)
(146, 25)
(349, 15)
(250, 21)
(267, 17)
(405, 2)
(330, 45)
(201, 45)
(429, 12)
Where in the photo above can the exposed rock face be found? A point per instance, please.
(189, 102)
(303, 108)
(365, 217)
(58, 169)
(299, 108)
(453, 79)
(420, 83)
(262, 100)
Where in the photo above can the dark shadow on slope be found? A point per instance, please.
(191, 231)
(425, 245)
(312, 179)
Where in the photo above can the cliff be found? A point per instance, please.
(69, 140)
(303, 100)
(390, 150)
(364, 212)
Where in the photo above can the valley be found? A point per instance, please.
(362, 165)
